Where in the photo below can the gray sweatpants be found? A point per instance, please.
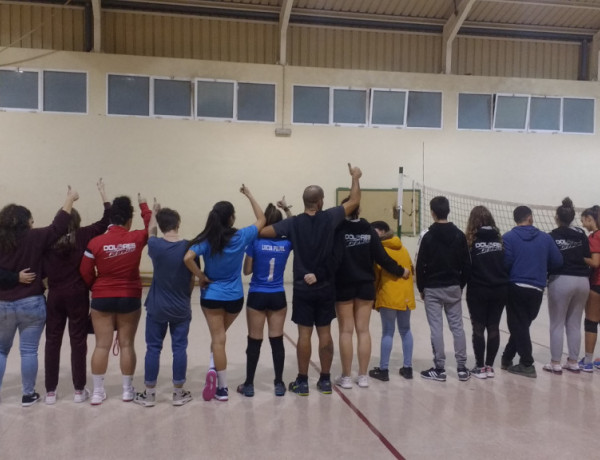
(446, 299)
(567, 296)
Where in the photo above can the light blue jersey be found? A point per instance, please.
(225, 269)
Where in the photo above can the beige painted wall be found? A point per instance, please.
(191, 164)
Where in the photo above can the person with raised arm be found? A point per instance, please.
(222, 248)
(168, 305)
(23, 307)
(68, 298)
(110, 268)
(313, 304)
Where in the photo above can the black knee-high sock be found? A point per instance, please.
(278, 356)
(252, 355)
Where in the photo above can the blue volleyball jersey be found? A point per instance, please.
(268, 264)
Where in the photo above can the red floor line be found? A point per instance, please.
(357, 411)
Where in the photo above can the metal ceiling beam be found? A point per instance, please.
(284, 21)
(97, 27)
(451, 28)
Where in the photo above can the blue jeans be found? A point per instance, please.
(389, 318)
(28, 315)
(155, 335)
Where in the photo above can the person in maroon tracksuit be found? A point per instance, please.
(68, 298)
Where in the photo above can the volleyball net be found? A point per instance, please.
(461, 206)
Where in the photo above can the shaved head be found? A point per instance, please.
(313, 197)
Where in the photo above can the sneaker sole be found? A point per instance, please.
(479, 376)
(463, 379)
(97, 403)
(573, 371)
(182, 402)
(210, 387)
(29, 404)
(144, 403)
(433, 378)
(222, 398)
(552, 371)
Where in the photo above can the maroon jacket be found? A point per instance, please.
(61, 267)
(29, 253)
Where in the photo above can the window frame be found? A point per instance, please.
(40, 89)
(441, 93)
(332, 90)
(87, 91)
(302, 123)
(371, 102)
(150, 95)
(236, 102)
(492, 108)
(525, 129)
(173, 117)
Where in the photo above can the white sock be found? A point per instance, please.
(150, 391)
(212, 362)
(98, 383)
(177, 390)
(222, 379)
(127, 382)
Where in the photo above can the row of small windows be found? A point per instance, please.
(128, 95)
(525, 113)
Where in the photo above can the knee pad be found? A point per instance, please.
(590, 326)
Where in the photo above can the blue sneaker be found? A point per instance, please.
(324, 386)
(300, 388)
(247, 389)
(586, 367)
(222, 394)
(279, 388)
(597, 363)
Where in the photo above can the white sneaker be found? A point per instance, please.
(97, 398)
(81, 395)
(344, 382)
(362, 381)
(50, 398)
(128, 394)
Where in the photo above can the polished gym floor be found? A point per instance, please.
(553, 416)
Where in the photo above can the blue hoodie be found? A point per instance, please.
(529, 254)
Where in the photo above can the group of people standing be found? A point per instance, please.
(343, 267)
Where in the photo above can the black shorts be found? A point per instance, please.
(116, 304)
(363, 291)
(313, 307)
(595, 288)
(230, 306)
(272, 301)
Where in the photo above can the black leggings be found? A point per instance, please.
(485, 308)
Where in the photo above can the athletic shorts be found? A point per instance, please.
(313, 307)
(363, 291)
(230, 306)
(595, 288)
(262, 301)
(116, 304)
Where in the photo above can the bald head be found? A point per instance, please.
(313, 198)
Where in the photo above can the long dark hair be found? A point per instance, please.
(480, 217)
(218, 230)
(272, 214)
(66, 242)
(592, 212)
(14, 223)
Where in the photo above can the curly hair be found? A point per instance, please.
(480, 217)
(121, 210)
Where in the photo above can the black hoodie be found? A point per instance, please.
(574, 246)
(443, 258)
(487, 258)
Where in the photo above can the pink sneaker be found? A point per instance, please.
(210, 388)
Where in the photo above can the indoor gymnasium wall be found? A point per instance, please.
(190, 164)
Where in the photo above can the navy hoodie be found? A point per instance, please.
(529, 254)
(443, 258)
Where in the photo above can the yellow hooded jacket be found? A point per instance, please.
(390, 291)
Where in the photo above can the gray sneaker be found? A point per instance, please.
(179, 399)
(145, 399)
(525, 371)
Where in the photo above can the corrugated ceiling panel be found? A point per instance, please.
(437, 9)
(358, 49)
(548, 15)
(189, 37)
(515, 58)
(48, 27)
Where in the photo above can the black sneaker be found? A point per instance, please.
(505, 364)
(380, 374)
(463, 374)
(434, 374)
(406, 372)
(298, 387)
(324, 386)
(30, 400)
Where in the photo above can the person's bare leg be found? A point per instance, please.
(362, 317)
(345, 316)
